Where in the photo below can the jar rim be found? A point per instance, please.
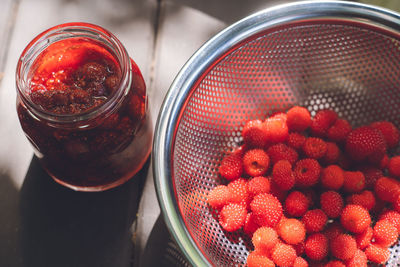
(62, 32)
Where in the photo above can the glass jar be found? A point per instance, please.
(82, 104)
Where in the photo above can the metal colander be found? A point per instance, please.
(339, 55)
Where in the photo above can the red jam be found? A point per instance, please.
(78, 77)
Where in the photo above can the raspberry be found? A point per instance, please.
(265, 238)
(300, 262)
(298, 119)
(316, 246)
(282, 175)
(296, 204)
(292, 231)
(267, 209)
(332, 177)
(389, 132)
(385, 234)
(307, 172)
(255, 162)
(343, 247)
(383, 163)
(314, 147)
(365, 142)
(355, 218)
(258, 185)
(314, 220)
(250, 225)
(377, 254)
(371, 174)
(281, 151)
(335, 264)
(365, 199)
(232, 216)
(333, 230)
(322, 121)
(231, 167)
(296, 140)
(353, 181)
(387, 189)
(256, 260)
(277, 192)
(359, 259)
(277, 129)
(283, 255)
(238, 191)
(394, 166)
(393, 217)
(218, 196)
(255, 134)
(332, 154)
(339, 131)
(331, 203)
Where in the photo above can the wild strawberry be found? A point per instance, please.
(282, 175)
(296, 204)
(371, 175)
(353, 181)
(255, 134)
(343, 247)
(316, 246)
(283, 255)
(265, 238)
(355, 218)
(307, 172)
(393, 217)
(314, 220)
(232, 216)
(298, 119)
(267, 209)
(339, 131)
(250, 225)
(332, 177)
(218, 196)
(314, 147)
(331, 203)
(296, 140)
(300, 262)
(365, 199)
(387, 189)
(281, 151)
(333, 230)
(292, 231)
(322, 121)
(394, 166)
(238, 191)
(277, 129)
(255, 162)
(231, 167)
(385, 234)
(258, 185)
(256, 260)
(389, 132)
(377, 254)
(359, 259)
(277, 192)
(332, 154)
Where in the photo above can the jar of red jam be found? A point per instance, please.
(82, 103)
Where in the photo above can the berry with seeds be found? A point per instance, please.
(300, 262)
(331, 203)
(267, 209)
(389, 132)
(332, 177)
(359, 260)
(282, 175)
(296, 140)
(332, 154)
(277, 192)
(314, 220)
(296, 204)
(277, 129)
(393, 217)
(343, 247)
(353, 181)
(255, 134)
(316, 246)
(377, 254)
(307, 172)
(250, 225)
(292, 231)
(281, 151)
(322, 121)
(387, 189)
(255, 162)
(258, 185)
(355, 218)
(394, 166)
(219, 196)
(385, 233)
(298, 119)
(314, 147)
(339, 131)
(238, 191)
(231, 167)
(371, 175)
(265, 238)
(256, 260)
(283, 255)
(364, 239)
(333, 230)
(365, 199)
(232, 216)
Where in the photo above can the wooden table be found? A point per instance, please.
(44, 224)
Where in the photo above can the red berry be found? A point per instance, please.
(298, 119)
(250, 225)
(292, 231)
(353, 181)
(396, 204)
(300, 262)
(307, 172)
(255, 162)
(377, 254)
(267, 209)
(231, 167)
(296, 140)
(265, 238)
(339, 131)
(387, 189)
(335, 264)
(371, 175)
(332, 154)
(331, 203)
(385, 233)
(359, 260)
(296, 204)
(389, 132)
(218, 196)
(343, 247)
(365, 199)
(332, 177)
(394, 166)
(255, 134)
(322, 121)
(355, 218)
(277, 192)
(256, 260)
(383, 163)
(393, 217)
(316, 246)
(314, 220)
(283, 255)
(314, 147)
(333, 230)
(238, 191)
(277, 129)
(281, 151)
(232, 216)
(365, 142)
(282, 175)
(258, 185)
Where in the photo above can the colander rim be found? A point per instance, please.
(200, 62)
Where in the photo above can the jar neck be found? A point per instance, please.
(61, 33)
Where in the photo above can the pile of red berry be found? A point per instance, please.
(312, 191)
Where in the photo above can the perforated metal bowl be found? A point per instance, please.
(338, 55)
